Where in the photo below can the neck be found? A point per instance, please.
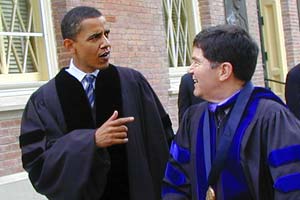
(227, 90)
(83, 68)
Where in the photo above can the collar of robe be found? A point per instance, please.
(74, 102)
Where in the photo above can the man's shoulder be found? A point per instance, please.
(295, 71)
(129, 74)
(126, 70)
(46, 88)
(186, 76)
(269, 107)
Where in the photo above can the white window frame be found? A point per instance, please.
(14, 95)
(176, 72)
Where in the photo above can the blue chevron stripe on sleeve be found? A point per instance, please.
(284, 156)
(288, 183)
(174, 175)
(180, 154)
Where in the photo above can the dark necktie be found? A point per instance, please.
(89, 88)
(220, 114)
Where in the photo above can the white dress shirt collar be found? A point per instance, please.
(77, 73)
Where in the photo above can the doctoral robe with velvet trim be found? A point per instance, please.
(58, 145)
(268, 154)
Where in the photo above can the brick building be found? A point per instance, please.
(152, 36)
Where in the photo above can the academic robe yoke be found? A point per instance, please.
(268, 156)
(67, 165)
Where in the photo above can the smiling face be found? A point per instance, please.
(91, 47)
(206, 78)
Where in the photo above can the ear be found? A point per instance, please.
(225, 71)
(69, 45)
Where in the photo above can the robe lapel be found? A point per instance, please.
(108, 94)
(74, 103)
(109, 99)
(75, 107)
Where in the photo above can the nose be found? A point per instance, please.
(191, 69)
(105, 43)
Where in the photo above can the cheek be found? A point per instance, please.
(198, 73)
(89, 49)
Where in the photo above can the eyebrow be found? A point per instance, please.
(196, 59)
(95, 35)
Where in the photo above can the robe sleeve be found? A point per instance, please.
(151, 101)
(60, 165)
(177, 182)
(282, 142)
(156, 130)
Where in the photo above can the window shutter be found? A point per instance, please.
(17, 43)
(177, 29)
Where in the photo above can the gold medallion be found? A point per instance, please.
(210, 194)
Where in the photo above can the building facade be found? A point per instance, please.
(152, 36)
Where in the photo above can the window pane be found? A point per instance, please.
(178, 32)
(17, 39)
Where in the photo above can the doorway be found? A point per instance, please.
(274, 54)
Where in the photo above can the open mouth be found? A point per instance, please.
(105, 54)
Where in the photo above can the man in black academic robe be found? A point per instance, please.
(186, 97)
(292, 90)
(116, 149)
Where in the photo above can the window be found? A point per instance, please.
(27, 50)
(181, 24)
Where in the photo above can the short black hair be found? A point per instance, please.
(229, 43)
(70, 24)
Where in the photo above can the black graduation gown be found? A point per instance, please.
(186, 96)
(57, 137)
(269, 156)
(292, 90)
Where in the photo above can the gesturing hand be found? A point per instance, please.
(113, 131)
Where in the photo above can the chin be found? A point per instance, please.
(196, 93)
(103, 66)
